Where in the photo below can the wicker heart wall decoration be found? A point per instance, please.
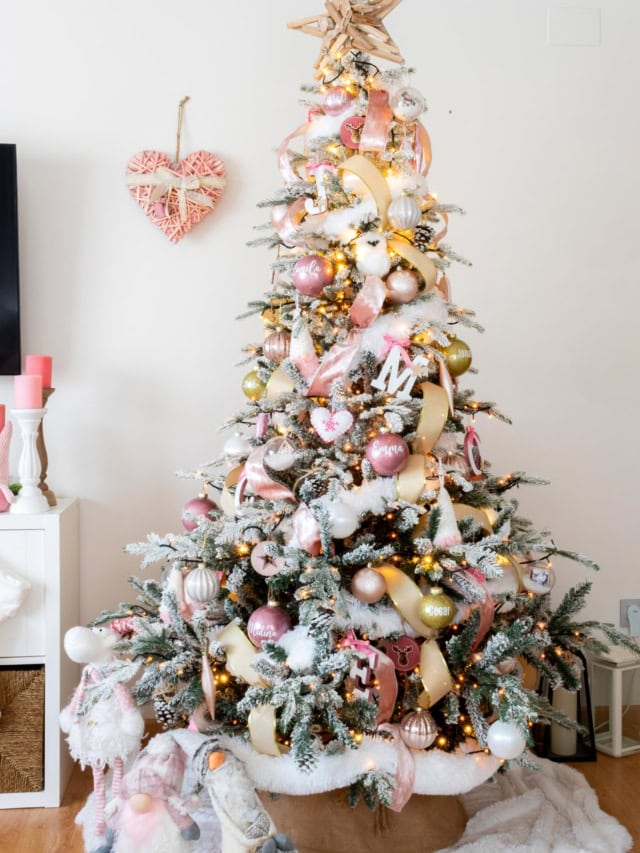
(176, 195)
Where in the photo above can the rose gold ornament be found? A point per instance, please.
(368, 586)
(312, 274)
(436, 609)
(418, 729)
(387, 453)
(276, 346)
(402, 286)
(267, 624)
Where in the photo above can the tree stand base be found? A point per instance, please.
(325, 823)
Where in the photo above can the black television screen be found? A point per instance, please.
(9, 280)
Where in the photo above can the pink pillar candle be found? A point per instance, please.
(28, 392)
(2, 416)
(39, 365)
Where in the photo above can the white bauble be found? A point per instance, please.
(344, 519)
(407, 104)
(505, 740)
(236, 447)
(201, 585)
(280, 454)
(404, 213)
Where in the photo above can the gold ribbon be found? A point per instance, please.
(262, 730)
(227, 500)
(435, 410)
(436, 678)
(417, 259)
(370, 175)
(164, 180)
(406, 596)
(279, 383)
(411, 480)
(478, 515)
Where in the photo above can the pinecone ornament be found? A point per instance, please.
(422, 237)
(164, 714)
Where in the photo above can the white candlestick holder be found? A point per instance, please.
(30, 499)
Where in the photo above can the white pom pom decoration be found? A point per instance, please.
(300, 648)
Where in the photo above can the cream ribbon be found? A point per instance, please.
(435, 410)
(164, 180)
(478, 515)
(227, 500)
(435, 675)
(406, 596)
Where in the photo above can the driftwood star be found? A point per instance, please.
(352, 25)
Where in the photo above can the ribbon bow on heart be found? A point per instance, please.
(164, 180)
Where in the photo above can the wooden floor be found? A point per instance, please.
(615, 780)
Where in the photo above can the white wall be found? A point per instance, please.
(538, 143)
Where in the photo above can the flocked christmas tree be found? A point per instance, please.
(361, 599)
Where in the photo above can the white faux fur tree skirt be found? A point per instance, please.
(549, 810)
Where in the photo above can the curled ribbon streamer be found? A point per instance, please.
(261, 482)
(306, 530)
(435, 675)
(240, 652)
(368, 303)
(227, 500)
(164, 180)
(442, 233)
(422, 149)
(334, 365)
(405, 768)
(411, 480)
(406, 596)
(284, 164)
(279, 383)
(433, 417)
(262, 730)
(385, 673)
(375, 130)
(371, 176)
(478, 515)
(417, 259)
(208, 687)
(485, 604)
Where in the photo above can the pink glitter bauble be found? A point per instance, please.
(200, 507)
(312, 274)
(267, 624)
(387, 454)
(337, 100)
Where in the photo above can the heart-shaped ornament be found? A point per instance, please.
(331, 425)
(176, 196)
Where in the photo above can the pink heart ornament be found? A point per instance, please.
(176, 196)
(331, 425)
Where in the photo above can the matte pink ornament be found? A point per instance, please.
(200, 507)
(312, 274)
(337, 100)
(404, 652)
(387, 453)
(267, 624)
(263, 563)
(368, 586)
(402, 286)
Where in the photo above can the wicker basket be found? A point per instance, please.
(21, 729)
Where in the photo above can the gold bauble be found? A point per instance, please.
(436, 610)
(418, 729)
(457, 357)
(252, 386)
(276, 346)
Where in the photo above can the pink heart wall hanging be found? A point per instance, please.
(176, 196)
(330, 425)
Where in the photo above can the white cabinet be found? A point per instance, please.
(43, 548)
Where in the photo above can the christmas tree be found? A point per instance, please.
(361, 604)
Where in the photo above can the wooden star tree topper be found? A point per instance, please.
(351, 25)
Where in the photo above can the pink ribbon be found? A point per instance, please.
(208, 686)
(405, 768)
(422, 147)
(284, 164)
(402, 344)
(260, 481)
(442, 233)
(306, 530)
(385, 673)
(334, 365)
(262, 425)
(368, 303)
(376, 127)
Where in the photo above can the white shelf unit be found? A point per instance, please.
(43, 548)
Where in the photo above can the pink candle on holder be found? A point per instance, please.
(39, 365)
(28, 391)
(3, 414)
